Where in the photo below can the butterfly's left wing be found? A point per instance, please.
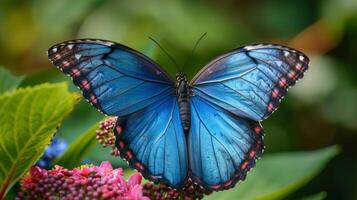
(152, 141)
(123, 82)
(250, 81)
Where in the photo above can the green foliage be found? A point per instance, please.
(73, 156)
(278, 175)
(318, 196)
(338, 14)
(71, 12)
(8, 81)
(28, 119)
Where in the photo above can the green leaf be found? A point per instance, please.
(277, 175)
(8, 81)
(28, 119)
(319, 196)
(100, 153)
(72, 157)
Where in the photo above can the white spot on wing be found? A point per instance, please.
(110, 43)
(286, 53)
(301, 58)
(249, 47)
(54, 50)
(77, 56)
(70, 46)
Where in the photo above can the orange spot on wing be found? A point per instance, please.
(119, 129)
(244, 165)
(257, 129)
(129, 154)
(121, 144)
(139, 165)
(252, 153)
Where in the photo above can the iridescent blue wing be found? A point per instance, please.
(250, 81)
(123, 82)
(231, 94)
(154, 143)
(115, 79)
(222, 146)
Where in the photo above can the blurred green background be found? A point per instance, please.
(320, 111)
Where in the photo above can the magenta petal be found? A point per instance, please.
(105, 168)
(37, 172)
(136, 192)
(85, 171)
(118, 172)
(135, 179)
(122, 183)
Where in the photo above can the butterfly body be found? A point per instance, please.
(183, 92)
(207, 129)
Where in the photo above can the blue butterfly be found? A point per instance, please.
(172, 131)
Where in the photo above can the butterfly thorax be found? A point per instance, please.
(183, 92)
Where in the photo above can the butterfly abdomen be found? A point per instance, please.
(183, 94)
(185, 113)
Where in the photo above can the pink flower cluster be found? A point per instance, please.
(105, 134)
(85, 182)
(163, 192)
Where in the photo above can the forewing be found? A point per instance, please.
(222, 147)
(153, 142)
(251, 81)
(115, 79)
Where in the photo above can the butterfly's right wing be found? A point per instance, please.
(115, 79)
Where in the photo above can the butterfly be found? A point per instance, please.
(206, 130)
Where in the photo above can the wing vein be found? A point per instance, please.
(226, 79)
(149, 99)
(218, 100)
(243, 96)
(110, 65)
(213, 136)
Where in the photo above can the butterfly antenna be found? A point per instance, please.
(193, 50)
(167, 54)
